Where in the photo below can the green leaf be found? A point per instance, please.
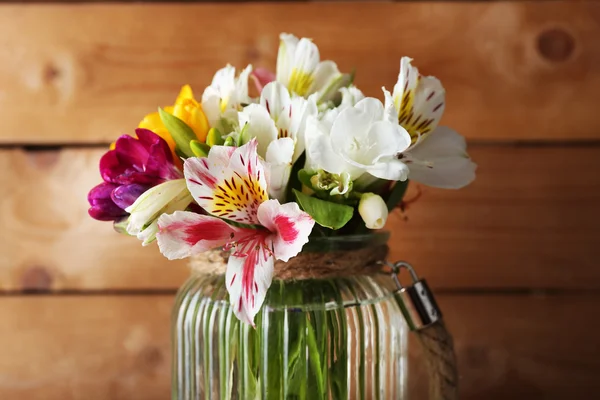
(199, 149)
(396, 194)
(214, 137)
(304, 177)
(181, 133)
(325, 213)
(229, 141)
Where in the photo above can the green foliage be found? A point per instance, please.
(181, 133)
(199, 149)
(397, 194)
(325, 213)
(214, 137)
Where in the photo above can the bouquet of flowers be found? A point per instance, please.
(258, 177)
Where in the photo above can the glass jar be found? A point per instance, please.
(336, 338)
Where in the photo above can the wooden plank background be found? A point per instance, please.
(514, 257)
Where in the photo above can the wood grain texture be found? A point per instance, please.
(87, 73)
(88, 348)
(48, 239)
(528, 221)
(117, 347)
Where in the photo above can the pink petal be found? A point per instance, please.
(289, 226)
(247, 280)
(262, 76)
(228, 184)
(183, 234)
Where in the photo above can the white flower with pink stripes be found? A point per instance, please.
(231, 185)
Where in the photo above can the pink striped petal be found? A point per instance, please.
(289, 226)
(228, 185)
(183, 234)
(247, 279)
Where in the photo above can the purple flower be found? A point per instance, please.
(146, 160)
(134, 166)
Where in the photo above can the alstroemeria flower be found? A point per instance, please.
(225, 96)
(132, 167)
(165, 198)
(356, 141)
(187, 109)
(231, 184)
(438, 155)
(300, 70)
(278, 123)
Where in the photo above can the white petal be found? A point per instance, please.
(241, 88)
(259, 125)
(280, 151)
(420, 101)
(228, 188)
(279, 157)
(307, 56)
(386, 139)
(151, 203)
(290, 226)
(301, 110)
(183, 234)
(447, 164)
(275, 98)
(407, 79)
(285, 57)
(211, 105)
(247, 280)
(350, 96)
(319, 150)
(390, 113)
(372, 107)
(391, 170)
(325, 74)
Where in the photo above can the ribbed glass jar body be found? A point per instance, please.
(337, 338)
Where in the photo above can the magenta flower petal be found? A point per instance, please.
(103, 208)
(262, 76)
(125, 195)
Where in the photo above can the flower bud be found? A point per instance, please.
(373, 210)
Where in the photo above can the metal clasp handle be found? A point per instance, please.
(416, 301)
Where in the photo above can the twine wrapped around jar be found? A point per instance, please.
(436, 341)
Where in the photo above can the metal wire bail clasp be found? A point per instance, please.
(416, 301)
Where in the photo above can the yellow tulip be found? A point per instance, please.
(187, 109)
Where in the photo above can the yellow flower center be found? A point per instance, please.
(300, 82)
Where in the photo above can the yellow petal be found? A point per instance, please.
(185, 94)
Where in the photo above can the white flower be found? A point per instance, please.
(356, 141)
(350, 96)
(438, 155)
(373, 210)
(300, 70)
(226, 95)
(278, 123)
(167, 197)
